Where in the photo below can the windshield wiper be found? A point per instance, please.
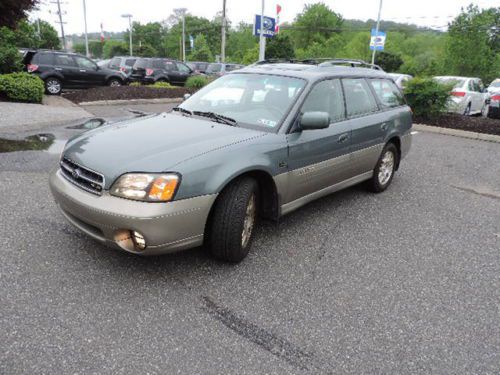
(182, 110)
(216, 117)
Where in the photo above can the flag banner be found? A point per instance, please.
(278, 11)
(269, 26)
(377, 42)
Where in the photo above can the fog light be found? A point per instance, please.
(139, 241)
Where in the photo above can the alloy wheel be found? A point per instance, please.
(386, 168)
(53, 86)
(249, 221)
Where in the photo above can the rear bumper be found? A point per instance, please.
(405, 144)
(166, 227)
(494, 109)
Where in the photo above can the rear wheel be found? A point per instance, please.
(385, 168)
(53, 86)
(467, 109)
(233, 220)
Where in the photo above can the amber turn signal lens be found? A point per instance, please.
(163, 188)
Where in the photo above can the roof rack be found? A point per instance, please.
(323, 62)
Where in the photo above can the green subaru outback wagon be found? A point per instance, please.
(259, 142)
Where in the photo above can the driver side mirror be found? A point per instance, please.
(314, 120)
(187, 96)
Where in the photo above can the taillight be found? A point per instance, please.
(458, 93)
(122, 69)
(149, 72)
(496, 98)
(32, 68)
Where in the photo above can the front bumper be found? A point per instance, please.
(166, 227)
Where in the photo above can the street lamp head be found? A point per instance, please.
(128, 15)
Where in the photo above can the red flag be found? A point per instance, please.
(278, 11)
(102, 34)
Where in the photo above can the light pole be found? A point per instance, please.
(85, 21)
(262, 40)
(129, 16)
(376, 33)
(182, 13)
(223, 34)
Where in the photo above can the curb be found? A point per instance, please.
(458, 133)
(132, 101)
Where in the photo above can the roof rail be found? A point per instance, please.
(323, 62)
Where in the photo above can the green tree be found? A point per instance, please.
(388, 61)
(11, 11)
(113, 48)
(251, 56)
(472, 46)
(10, 58)
(95, 48)
(316, 23)
(145, 50)
(79, 48)
(48, 37)
(239, 41)
(151, 35)
(280, 47)
(201, 51)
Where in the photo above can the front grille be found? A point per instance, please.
(82, 177)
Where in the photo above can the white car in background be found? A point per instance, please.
(468, 96)
(494, 106)
(400, 79)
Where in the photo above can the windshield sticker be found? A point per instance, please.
(267, 122)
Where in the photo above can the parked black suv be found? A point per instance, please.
(69, 70)
(151, 70)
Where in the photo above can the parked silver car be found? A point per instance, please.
(400, 79)
(262, 141)
(468, 95)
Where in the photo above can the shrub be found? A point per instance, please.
(426, 97)
(197, 82)
(162, 85)
(135, 84)
(21, 87)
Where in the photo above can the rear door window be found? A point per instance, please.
(130, 62)
(84, 63)
(326, 96)
(64, 60)
(157, 64)
(387, 92)
(358, 97)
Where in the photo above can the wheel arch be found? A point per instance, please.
(396, 141)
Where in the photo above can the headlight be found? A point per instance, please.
(146, 187)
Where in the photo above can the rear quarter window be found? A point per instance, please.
(130, 62)
(387, 92)
(358, 97)
(44, 59)
(115, 63)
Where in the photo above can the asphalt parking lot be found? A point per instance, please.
(407, 281)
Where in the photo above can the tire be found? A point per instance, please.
(114, 82)
(485, 110)
(467, 109)
(53, 86)
(233, 220)
(385, 169)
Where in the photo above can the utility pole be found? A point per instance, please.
(129, 16)
(262, 46)
(184, 36)
(376, 32)
(223, 34)
(59, 13)
(85, 21)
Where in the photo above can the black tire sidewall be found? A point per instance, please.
(226, 222)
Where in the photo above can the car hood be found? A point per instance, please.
(157, 143)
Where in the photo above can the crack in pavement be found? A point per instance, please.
(277, 346)
(482, 192)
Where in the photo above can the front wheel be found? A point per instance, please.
(385, 168)
(53, 86)
(233, 221)
(114, 82)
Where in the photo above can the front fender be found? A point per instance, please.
(210, 173)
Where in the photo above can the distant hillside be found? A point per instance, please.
(358, 25)
(80, 38)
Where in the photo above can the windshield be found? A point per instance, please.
(495, 84)
(214, 68)
(255, 100)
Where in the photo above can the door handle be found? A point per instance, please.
(384, 126)
(343, 138)
(58, 68)
(83, 70)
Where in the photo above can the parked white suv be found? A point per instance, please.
(468, 96)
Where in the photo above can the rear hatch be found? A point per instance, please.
(139, 69)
